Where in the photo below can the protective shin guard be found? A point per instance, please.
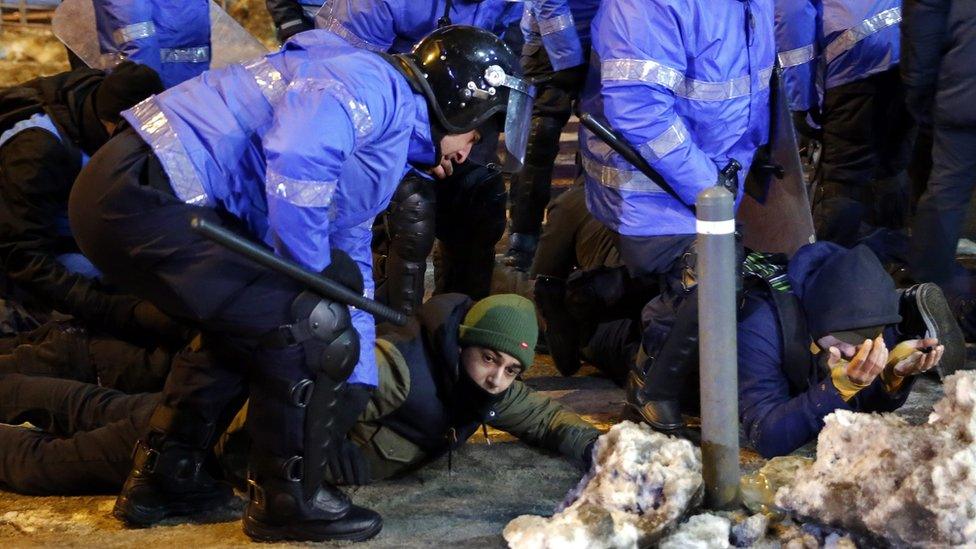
(410, 223)
(531, 186)
(666, 373)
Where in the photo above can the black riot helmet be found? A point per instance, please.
(469, 77)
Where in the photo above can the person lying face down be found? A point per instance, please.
(836, 336)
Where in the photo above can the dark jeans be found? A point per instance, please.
(942, 209)
(84, 437)
(572, 237)
(66, 351)
(128, 222)
(867, 139)
(556, 92)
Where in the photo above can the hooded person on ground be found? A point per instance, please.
(831, 332)
(49, 127)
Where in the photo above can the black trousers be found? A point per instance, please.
(942, 209)
(867, 139)
(127, 221)
(556, 92)
(83, 438)
(65, 351)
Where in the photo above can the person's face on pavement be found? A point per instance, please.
(454, 148)
(493, 371)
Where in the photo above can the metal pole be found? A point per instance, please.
(716, 317)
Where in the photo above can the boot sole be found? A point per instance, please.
(934, 307)
(259, 531)
(139, 516)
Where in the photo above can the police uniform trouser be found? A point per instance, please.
(944, 205)
(83, 438)
(867, 137)
(127, 220)
(556, 91)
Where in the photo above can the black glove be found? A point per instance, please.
(587, 461)
(728, 177)
(802, 125)
(350, 403)
(347, 463)
(147, 317)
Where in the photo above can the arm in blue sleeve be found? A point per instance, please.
(367, 24)
(875, 398)
(638, 69)
(356, 242)
(126, 27)
(775, 422)
(797, 51)
(309, 141)
(558, 30)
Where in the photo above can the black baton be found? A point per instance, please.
(314, 281)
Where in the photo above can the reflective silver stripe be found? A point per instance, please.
(625, 180)
(798, 56)
(290, 24)
(652, 72)
(669, 140)
(334, 26)
(358, 111)
(135, 31)
(305, 193)
(556, 24)
(197, 54)
(161, 136)
(853, 35)
(268, 78)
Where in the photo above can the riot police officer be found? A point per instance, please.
(297, 151)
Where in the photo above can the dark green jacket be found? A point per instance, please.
(388, 431)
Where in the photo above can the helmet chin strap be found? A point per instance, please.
(445, 19)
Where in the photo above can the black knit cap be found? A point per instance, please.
(849, 292)
(127, 84)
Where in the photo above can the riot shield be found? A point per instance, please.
(74, 25)
(775, 213)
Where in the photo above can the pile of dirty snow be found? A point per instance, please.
(640, 485)
(878, 475)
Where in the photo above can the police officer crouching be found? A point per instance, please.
(298, 150)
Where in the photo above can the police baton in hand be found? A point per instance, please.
(314, 281)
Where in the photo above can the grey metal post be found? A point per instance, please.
(716, 273)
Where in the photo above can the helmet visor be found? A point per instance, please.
(518, 124)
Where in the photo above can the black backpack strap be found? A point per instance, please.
(767, 273)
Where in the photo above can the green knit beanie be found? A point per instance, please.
(503, 322)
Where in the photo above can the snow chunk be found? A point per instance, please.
(705, 531)
(750, 531)
(641, 483)
(878, 475)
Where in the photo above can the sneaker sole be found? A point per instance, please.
(940, 323)
(259, 531)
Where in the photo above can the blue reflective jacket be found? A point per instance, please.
(560, 26)
(686, 83)
(396, 25)
(305, 146)
(826, 43)
(171, 36)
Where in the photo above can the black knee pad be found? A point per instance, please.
(324, 328)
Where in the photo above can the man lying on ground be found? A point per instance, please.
(830, 332)
(450, 370)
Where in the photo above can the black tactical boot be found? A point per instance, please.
(168, 481)
(521, 251)
(665, 374)
(562, 332)
(925, 312)
(279, 511)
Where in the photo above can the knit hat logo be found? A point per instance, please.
(504, 323)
